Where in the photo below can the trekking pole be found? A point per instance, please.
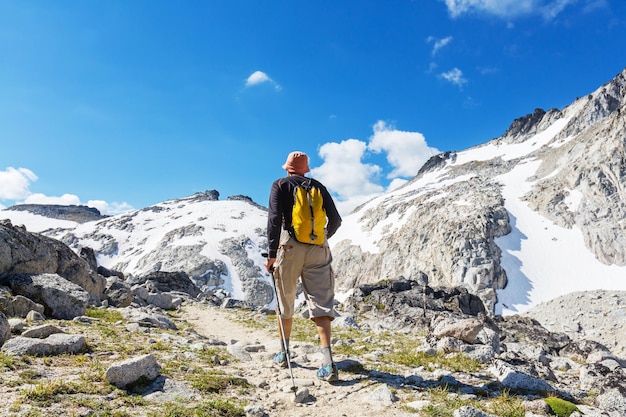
(282, 329)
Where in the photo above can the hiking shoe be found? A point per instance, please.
(328, 373)
(280, 359)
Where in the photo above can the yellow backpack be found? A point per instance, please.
(308, 217)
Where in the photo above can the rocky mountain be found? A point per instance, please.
(79, 214)
(217, 243)
(528, 216)
(524, 218)
(402, 346)
(534, 215)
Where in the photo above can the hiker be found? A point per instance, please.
(289, 259)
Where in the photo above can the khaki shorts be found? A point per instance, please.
(311, 263)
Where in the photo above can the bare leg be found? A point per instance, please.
(323, 330)
(287, 324)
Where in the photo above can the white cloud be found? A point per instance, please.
(507, 9)
(455, 76)
(14, 183)
(64, 200)
(344, 172)
(438, 43)
(354, 181)
(259, 77)
(406, 151)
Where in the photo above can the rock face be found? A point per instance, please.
(61, 298)
(22, 252)
(446, 221)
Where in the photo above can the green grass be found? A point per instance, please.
(11, 363)
(213, 408)
(105, 314)
(443, 404)
(214, 382)
(559, 407)
(45, 392)
(413, 358)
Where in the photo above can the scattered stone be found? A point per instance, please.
(164, 389)
(118, 293)
(5, 328)
(18, 306)
(41, 332)
(123, 374)
(55, 344)
(467, 411)
(517, 380)
(301, 395)
(34, 316)
(17, 325)
(254, 411)
(382, 395)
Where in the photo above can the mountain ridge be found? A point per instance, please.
(494, 218)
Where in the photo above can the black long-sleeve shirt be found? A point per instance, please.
(281, 203)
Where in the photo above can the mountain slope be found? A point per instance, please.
(534, 214)
(217, 243)
(527, 217)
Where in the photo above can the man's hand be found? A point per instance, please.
(269, 264)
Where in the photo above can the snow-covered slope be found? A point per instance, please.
(527, 217)
(535, 214)
(217, 242)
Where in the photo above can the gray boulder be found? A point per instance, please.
(123, 374)
(465, 329)
(518, 380)
(61, 298)
(171, 281)
(5, 329)
(118, 293)
(22, 252)
(160, 299)
(17, 306)
(55, 344)
(41, 332)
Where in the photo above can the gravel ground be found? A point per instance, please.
(595, 315)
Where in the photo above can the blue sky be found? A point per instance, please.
(122, 104)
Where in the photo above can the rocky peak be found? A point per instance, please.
(79, 214)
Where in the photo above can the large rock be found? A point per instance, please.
(171, 281)
(61, 298)
(465, 329)
(22, 252)
(17, 306)
(5, 329)
(55, 344)
(123, 374)
(118, 293)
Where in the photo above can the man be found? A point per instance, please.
(289, 259)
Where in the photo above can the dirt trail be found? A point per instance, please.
(349, 397)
